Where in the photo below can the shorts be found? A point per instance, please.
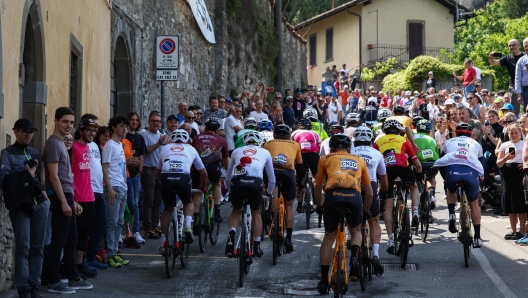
(428, 170)
(406, 174)
(246, 186)
(214, 172)
(375, 207)
(310, 160)
(342, 198)
(461, 173)
(286, 177)
(173, 184)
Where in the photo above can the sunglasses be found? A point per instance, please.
(509, 121)
(470, 97)
(190, 117)
(289, 100)
(278, 97)
(199, 113)
(68, 140)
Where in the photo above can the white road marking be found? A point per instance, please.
(495, 278)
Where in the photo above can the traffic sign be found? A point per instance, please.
(166, 75)
(167, 52)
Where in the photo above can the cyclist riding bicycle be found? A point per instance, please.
(383, 114)
(310, 143)
(399, 114)
(415, 121)
(376, 168)
(311, 113)
(286, 157)
(174, 168)
(249, 125)
(265, 127)
(462, 163)
(352, 121)
(345, 175)
(244, 178)
(427, 156)
(395, 150)
(212, 149)
(325, 145)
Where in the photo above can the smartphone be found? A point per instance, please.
(270, 89)
(511, 150)
(31, 163)
(497, 54)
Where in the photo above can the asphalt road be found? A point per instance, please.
(498, 269)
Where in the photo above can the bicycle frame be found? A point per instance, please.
(246, 226)
(340, 244)
(464, 233)
(281, 211)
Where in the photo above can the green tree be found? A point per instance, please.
(512, 9)
(298, 11)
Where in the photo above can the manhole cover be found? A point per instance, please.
(397, 267)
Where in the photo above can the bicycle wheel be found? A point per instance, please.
(202, 229)
(362, 272)
(170, 247)
(275, 236)
(184, 250)
(242, 255)
(307, 205)
(214, 230)
(464, 236)
(405, 237)
(339, 274)
(425, 215)
(396, 228)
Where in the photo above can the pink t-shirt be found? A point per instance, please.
(307, 139)
(81, 173)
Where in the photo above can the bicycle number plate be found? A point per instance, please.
(427, 153)
(175, 166)
(237, 172)
(306, 145)
(348, 164)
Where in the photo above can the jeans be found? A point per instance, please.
(98, 227)
(29, 244)
(468, 89)
(151, 197)
(134, 183)
(513, 100)
(63, 237)
(115, 215)
(525, 97)
(84, 224)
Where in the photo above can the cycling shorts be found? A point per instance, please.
(173, 184)
(375, 207)
(406, 174)
(310, 160)
(214, 172)
(286, 177)
(462, 173)
(342, 198)
(428, 170)
(252, 187)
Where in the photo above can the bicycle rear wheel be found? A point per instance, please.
(339, 274)
(275, 236)
(202, 228)
(242, 255)
(405, 237)
(396, 228)
(170, 247)
(425, 215)
(184, 251)
(464, 236)
(362, 272)
(214, 230)
(307, 203)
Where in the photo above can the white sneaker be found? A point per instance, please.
(432, 203)
(457, 207)
(121, 237)
(139, 239)
(390, 246)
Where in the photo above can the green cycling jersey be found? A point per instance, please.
(427, 145)
(318, 128)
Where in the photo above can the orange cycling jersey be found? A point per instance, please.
(395, 149)
(404, 120)
(342, 170)
(284, 153)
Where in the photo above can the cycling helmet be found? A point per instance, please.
(212, 123)
(424, 126)
(392, 126)
(265, 124)
(305, 122)
(416, 119)
(335, 129)
(340, 139)
(362, 134)
(372, 100)
(250, 123)
(180, 136)
(398, 109)
(351, 117)
(282, 129)
(383, 114)
(252, 137)
(464, 129)
(311, 114)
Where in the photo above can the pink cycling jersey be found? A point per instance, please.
(308, 140)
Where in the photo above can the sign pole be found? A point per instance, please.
(162, 108)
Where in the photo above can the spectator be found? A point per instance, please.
(464, 115)
(288, 113)
(277, 97)
(68, 141)
(335, 73)
(431, 81)
(28, 218)
(232, 125)
(258, 113)
(298, 105)
(276, 114)
(266, 108)
(521, 78)
(214, 110)
(182, 108)
(221, 103)
(171, 124)
(59, 185)
(228, 105)
(469, 77)
(189, 119)
(476, 107)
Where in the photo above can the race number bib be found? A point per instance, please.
(427, 153)
(237, 172)
(367, 159)
(280, 159)
(306, 145)
(390, 159)
(462, 153)
(175, 166)
(206, 152)
(348, 164)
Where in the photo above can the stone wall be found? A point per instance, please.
(6, 248)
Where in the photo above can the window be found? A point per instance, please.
(329, 44)
(75, 100)
(415, 35)
(313, 46)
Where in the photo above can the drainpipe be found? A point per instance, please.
(360, 42)
(278, 32)
(142, 101)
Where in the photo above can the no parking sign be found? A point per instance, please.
(167, 52)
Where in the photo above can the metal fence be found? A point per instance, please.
(382, 52)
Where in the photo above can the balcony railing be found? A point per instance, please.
(382, 52)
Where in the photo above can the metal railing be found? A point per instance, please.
(382, 52)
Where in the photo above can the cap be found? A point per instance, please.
(173, 117)
(24, 123)
(289, 97)
(450, 101)
(229, 99)
(298, 90)
(408, 93)
(507, 106)
(87, 122)
(498, 99)
(416, 93)
(430, 72)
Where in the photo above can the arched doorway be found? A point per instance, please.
(122, 96)
(32, 86)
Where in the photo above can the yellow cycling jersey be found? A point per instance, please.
(342, 170)
(284, 153)
(404, 120)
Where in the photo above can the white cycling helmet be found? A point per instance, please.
(252, 136)
(180, 136)
(352, 117)
(363, 134)
(383, 114)
(372, 99)
(311, 114)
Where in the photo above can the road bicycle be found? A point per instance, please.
(243, 249)
(401, 222)
(464, 233)
(175, 243)
(206, 225)
(276, 231)
(366, 253)
(424, 209)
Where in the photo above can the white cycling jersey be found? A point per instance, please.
(177, 158)
(349, 131)
(373, 159)
(461, 151)
(266, 136)
(251, 161)
(325, 147)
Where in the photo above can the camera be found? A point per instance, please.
(31, 163)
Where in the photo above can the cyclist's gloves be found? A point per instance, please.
(319, 210)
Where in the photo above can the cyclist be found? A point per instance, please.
(325, 145)
(212, 149)
(286, 157)
(462, 163)
(427, 156)
(249, 125)
(265, 127)
(382, 115)
(369, 115)
(174, 168)
(352, 121)
(376, 167)
(415, 121)
(310, 144)
(244, 177)
(317, 127)
(395, 150)
(406, 122)
(346, 175)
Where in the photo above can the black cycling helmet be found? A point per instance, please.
(335, 129)
(282, 129)
(398, 109)
(416, 119)
(340, 139)
(464, 129)
(212, 123)
(305, 122)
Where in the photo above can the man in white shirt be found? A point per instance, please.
(232, 125)
(189, 118)
(258, 114)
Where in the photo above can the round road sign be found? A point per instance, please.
(167, 46)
